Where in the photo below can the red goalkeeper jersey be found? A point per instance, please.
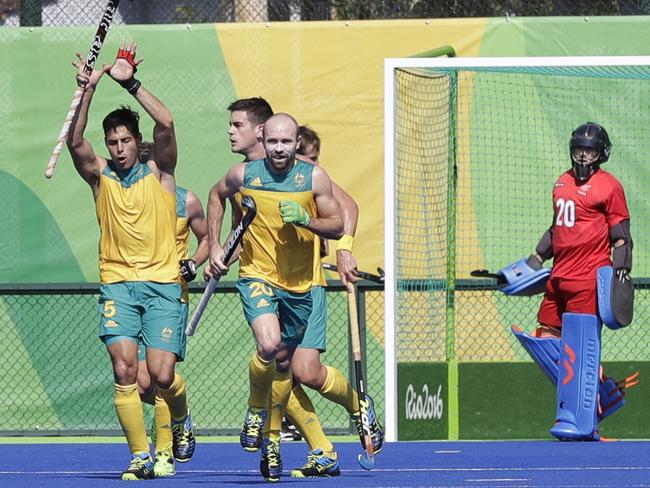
(583, 215)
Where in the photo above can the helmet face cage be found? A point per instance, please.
(593, 136)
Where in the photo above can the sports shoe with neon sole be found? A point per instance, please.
(318, 465)
(140, 468)
(163, 464)
(251, 433)
(271, 461)
(376, 431)
(184, 443)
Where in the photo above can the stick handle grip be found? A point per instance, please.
(353, 316)
(76, 100)
(200, 308)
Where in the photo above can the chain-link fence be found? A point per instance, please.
(86, 12)
(58, 380)
(477, 154)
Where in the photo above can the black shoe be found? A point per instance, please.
(140, 468)
(289, 431)
(271, 462)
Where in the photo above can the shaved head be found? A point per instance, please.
(282, 120)
(281, 140)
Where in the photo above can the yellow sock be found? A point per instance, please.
(129, 412)
(175, 398)
(280, 391)
(260, 374)
(337, 389)
(301, 413)
(163, 426)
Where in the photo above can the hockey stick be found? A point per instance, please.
(100, 35)
(367, 459)
(228, 251)
(484, 273)
(362, 274)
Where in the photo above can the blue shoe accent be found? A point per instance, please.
(140, 468)
(251, 433)
(271, 461)
(184, 442)
(317, 465)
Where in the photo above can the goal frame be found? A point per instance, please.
(390, 283)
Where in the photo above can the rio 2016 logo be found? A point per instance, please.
(424, 406)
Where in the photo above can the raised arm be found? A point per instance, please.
(164, 138)
(86, 162)
(163, 132)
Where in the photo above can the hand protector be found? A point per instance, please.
(525, 277)
(615, 297)
(293, 213)
(188, 269)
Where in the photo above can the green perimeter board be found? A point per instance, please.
(183, 67)
(516, 401)
(422, 405)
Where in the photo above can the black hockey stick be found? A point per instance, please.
(378, 278)
(229, 249)
(367, 459)
(484, 273)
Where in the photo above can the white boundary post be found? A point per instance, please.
(390, 282)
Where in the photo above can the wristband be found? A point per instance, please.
(345, 243)
(131, 85)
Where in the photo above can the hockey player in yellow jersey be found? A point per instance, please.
(278, 269)
(140, 292)
(189, 217)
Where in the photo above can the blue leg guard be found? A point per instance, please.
(611, 393)
(545, 351)
(577, 388)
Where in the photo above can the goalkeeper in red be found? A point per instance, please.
(591, 247)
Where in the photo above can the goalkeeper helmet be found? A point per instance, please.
(590, 147)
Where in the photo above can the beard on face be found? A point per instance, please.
(281, 160)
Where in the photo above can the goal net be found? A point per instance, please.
(473, 147)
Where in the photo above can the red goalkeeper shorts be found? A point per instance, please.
(567, 296)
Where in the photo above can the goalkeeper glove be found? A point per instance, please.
(293, 213)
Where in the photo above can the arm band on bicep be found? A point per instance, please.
(545, 245)
(621, 255)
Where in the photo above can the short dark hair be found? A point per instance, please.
(258, 109)
(123, 116)
(309, 140)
